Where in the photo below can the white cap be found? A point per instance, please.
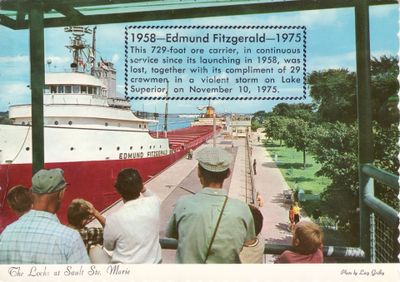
(214, 159)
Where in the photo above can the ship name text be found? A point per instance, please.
(139, 155)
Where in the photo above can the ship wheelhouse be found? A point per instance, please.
(81, 100)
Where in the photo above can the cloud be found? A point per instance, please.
(57, 61)
(344, 60)
(382, 11)
(14, 59)
(115, 58)
(13, 93)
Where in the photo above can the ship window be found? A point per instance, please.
(130, 147)
(27, 148)
(100, 148)
(140, 126)
(53, 89)
(118, 148)
(84, 89)
(67, 88)
(141, 147)
(56, 122)
(75, 88)
(144, 125)
(90, 89)
(106, 124)
(23, 123)
(72, 148)
(70, 122)
(60, 89)
(160, 146)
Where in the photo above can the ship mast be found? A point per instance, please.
(92, 52)
(77, 45)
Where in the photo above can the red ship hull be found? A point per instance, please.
(94, 180)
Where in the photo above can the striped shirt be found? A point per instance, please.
(91, 236)
(38, 237)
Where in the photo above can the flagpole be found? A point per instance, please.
(166, 111)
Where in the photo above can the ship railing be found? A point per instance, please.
(331, 253)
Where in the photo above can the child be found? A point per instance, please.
(291, 218)
(253, 250)
(79, 214)
(19, 199)
(296, 212)
(307, 245)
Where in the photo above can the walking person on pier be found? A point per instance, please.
(132, 233)
(211, 228)
(38, 237)
(255, 167)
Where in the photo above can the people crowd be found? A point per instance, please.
(209, 226)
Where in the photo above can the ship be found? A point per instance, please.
(89, 132)
(209, 117)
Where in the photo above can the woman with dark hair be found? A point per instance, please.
(132, 233)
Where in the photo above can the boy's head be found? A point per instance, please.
(258, 218)
(129, 184)
(19, 199)
(79, 211)
(307, 237)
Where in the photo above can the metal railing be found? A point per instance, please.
(383, 219)
(344, 253)
(250, 190)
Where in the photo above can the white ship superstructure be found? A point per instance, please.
(84, 119)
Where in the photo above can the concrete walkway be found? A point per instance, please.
(270, 183)
(181, 179)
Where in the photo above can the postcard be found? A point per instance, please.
(238, 134)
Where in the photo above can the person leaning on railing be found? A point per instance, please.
(209, 226)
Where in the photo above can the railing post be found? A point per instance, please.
(36, 45)
(364, 106)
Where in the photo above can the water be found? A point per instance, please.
(173, 123)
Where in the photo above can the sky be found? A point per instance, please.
(330, 44)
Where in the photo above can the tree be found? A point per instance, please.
(333, 92)
(4, 118)
(298, 136)
(275, 127)
(334, 146)
(257, 120)
(386, 152)
(384, 88)
(301, 110)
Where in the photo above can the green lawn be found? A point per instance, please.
(290, 162)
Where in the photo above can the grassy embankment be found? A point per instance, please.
(290, 163)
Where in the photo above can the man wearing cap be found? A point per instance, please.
(197, 219)
(38, 237)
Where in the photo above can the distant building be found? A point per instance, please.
(238, 125)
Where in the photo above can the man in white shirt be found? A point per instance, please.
(132, 233)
